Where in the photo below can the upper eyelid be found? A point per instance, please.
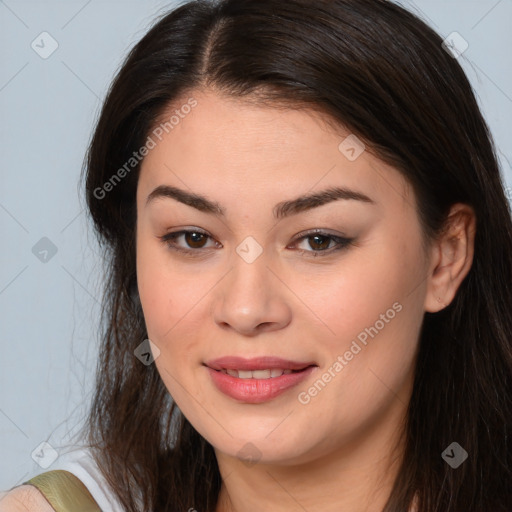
(181, 232)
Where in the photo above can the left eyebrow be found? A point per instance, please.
(303, 203)
(280, 210)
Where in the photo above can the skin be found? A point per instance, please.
(335, 452)
(24, 498)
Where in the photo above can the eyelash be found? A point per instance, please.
(342, 243)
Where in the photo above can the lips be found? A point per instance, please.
(259, 379)
(257, 363)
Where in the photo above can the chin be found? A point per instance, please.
(284, 449)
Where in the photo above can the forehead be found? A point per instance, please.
(237, 149)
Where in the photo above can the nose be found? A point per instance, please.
(251, 299)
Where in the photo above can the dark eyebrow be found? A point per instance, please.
(280, 211)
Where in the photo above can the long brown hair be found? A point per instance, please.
(375, 68)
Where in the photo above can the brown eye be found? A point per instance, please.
(195, 240)
(191, 241)
(319, 242)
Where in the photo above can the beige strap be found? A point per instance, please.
(64, 491)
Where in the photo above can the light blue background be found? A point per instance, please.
(49, 312)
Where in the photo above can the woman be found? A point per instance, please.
(310, 252)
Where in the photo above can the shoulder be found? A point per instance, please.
(25, 498)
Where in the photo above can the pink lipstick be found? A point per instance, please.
(258, 379)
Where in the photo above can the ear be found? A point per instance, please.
(451, 257)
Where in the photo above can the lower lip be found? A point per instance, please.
(255, 391)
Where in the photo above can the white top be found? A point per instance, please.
(79, 462)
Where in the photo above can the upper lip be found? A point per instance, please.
(256, 363)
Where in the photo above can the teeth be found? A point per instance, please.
(257, 374)
(261, 374)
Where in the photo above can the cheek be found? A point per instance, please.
(166, 300)
(382, 331)
(165, 294)
(353, 295)
(372, 320)
(154, 291)
(174, 309)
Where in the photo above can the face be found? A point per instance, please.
(238, 270)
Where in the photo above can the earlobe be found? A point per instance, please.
(451, 257)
